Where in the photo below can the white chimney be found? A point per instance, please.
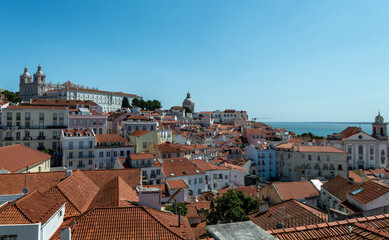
(68, 172)
(66, 234)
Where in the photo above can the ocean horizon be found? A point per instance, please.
(320, 128)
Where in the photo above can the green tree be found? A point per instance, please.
(156, 104)
(135, 102)
(12, 96)
(172, 208)
(125, 103)
(233, 206)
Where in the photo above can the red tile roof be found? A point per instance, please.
(295, 190)
(168, 147)
(14, 183)
(104, 138)
(174, 184)
(61, 102)
(130, 223)
(290, 213)
(74, 132)
(374, 227)
(140, 156)
(338, 186)
(175, 167)
(369, 192)
(251, 190)
(37, 107)
(139, 133)
(16, 157)
(35, 207)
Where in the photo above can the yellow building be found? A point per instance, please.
(21, 159)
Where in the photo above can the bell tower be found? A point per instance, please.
(379, 128)
(39, 82)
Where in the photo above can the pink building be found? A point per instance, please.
(83, 118)
(253, 135)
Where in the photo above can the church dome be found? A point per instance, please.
(39, 72)
(379, 119)
(188, 102)
(26, 74)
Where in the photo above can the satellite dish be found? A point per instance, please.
(24, 190)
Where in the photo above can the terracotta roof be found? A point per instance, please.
(139, 156)
(61, 102)
(111, 138)
(338, 186)
(100, 91)
(35, 207)
(295, 190)
(14, 183)
(308, 148)
(79, 189)
(14, 158)
(374, 227)
(75, 132)
(349, 131)
(36, 107)
(367, 192)
(130, 223)
(290, 213)
(174, 167)
(205, 166)
(168, 147)
(174, 184)
(139, 133)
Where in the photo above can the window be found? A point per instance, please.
(9, 116)
(74, 121)
(90, 162)
(190, 181)
(309, 157)
(200, 180)
(81, 145)
(41, 116)
(360, 150)
(80, 154)
(61, 116)
(70, 163)
(340, 167)
(101, 154)
(88, 122)
(94, 122)
(100, 131)
(195, 181)
(81, 121)
(101, 122)
(27, 116)
(54, 116)
(18, 116)
(108, 154)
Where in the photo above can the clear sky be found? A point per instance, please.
(280, 60)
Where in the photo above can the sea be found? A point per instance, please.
(320, 128)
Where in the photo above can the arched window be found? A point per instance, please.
(360, 150)
(382, 131)
(374, 131)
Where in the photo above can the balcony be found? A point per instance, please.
(40, 148)
(41, 137)
(8, 138)
(80, 165)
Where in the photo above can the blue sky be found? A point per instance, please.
(279, 60)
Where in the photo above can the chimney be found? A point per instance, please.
(179, 216)
(66, 234)
(263, 207)
(68, 172)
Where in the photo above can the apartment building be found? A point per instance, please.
(305, 162)
(37, 127)
(109, 149)
(78, 146)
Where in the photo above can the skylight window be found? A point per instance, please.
(357, 191)
(172, 174)
(197, 171)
